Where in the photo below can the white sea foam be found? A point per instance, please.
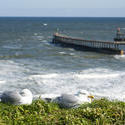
(63, 53)
(103, 82)
(40, 37)
(44, 41)
(72, 54)
(2, 82)
(96, 76)
(100, 82)
(35, 34)
(11, 74)
(46, 76)
(71, 49)
(12, 46)
(122, 28)
(45, 24)
(119, 57)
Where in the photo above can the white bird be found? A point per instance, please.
(16, 97)
(72, 101)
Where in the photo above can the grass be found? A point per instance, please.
(99, 112)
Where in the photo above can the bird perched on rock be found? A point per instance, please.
(17, 97)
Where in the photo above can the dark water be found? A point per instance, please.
(29, 60)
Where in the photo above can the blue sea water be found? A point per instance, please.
(28, 59)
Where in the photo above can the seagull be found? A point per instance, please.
(17, 98)
(73, 101)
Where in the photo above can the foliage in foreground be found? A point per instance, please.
(99, 112)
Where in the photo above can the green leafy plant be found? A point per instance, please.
(99, 112)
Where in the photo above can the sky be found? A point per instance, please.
(63, 8)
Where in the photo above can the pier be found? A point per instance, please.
(110, 47)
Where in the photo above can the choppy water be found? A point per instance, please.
(29, 60)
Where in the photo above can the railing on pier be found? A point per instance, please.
(110, 46)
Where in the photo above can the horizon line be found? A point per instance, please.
(63, 16)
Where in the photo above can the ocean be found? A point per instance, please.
(28, 59)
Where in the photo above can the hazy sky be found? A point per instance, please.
(84, 8)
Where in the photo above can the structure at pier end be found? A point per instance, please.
(119, 35)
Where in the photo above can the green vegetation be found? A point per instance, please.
(99, 112)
